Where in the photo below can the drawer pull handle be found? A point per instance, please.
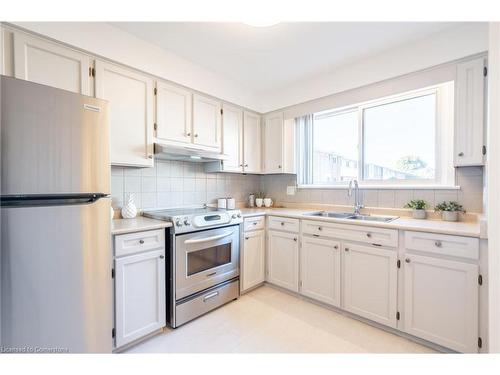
(211, 274)
(460, 154)
(376, 244)
(369, 235)
(255, 223)
(407, 260)
(319, 228)
(141, 241)
(346, 249)
(438, 244)
(211, 295)
(282, 223)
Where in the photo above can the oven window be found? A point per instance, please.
(205, 259)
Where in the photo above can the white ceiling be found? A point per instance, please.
(269, 58)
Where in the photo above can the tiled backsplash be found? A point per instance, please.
(470, 195)
(176, 184)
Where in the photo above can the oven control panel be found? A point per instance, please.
(189, 223)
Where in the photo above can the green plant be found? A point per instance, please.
(449, 206)
(260, 194)
(416, 204)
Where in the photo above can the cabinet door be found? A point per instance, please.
(253, 270)
(51, 64)
(273, 143)
(140, 295)
(283, 259)
(441, 301)
(130, 97)
(370, 282)
(469, 112)
(252, 139)
(232, 144)
(207, 123)
(173, 113)
(320, 269)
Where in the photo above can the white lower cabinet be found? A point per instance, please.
(370, 282)
(320, 269)
(441, 301)
(139, 295)
(283, 260)
(254, 257)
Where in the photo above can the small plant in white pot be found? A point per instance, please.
(418, 207)
(449, 210)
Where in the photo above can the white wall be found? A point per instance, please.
(112, 43)
(451, 44)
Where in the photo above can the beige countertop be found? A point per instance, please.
(469, 228)
(137, 224)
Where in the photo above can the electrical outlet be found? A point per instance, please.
(290, 190)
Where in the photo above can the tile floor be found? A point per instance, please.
(268, 320)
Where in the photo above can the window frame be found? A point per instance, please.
(441, 179)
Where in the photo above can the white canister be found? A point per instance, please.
(251, 200)
(221, 203)
(230, 203)
(268, 202)
(129, 210)
(258, 202)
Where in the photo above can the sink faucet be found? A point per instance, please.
(357, 202)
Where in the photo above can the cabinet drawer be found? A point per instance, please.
(131, 243)
(372, 235)
(284, 223)
(457, 246)
(254, 223)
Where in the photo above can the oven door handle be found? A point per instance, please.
(207, 239)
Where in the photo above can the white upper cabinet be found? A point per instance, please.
(370, 282)
(441, 301)
(130, 97)
(469, 112)
(207, 122)
(279, 144)
(320, 269)
(50, 64)
(252, 137)
(232, 144)
(173, 114)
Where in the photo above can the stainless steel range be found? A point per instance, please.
(203, 265)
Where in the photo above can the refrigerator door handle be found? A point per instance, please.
(50, 200)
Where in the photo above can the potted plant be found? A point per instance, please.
(449, 210)
(418, 206)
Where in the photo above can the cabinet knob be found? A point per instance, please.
(336, 247)
(295, 239)
(407, 260)
(246, 165)
(346, 249)
(255, 223)
(241, 165)
(150, 156)
(196, 135)
(460, 154)
(279, 166)
(282, 223)
(246, 238)
(162, 256)
(320, 229)
(369, 235)
(141, 241)
(188, 134)
(438, 244)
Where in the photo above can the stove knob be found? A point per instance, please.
(178, 223)
(186, 221)
(239, 215)
(234, 216)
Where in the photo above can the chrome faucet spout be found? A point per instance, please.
(353, 185)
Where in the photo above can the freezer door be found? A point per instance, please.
(52, 141)
(56, 278)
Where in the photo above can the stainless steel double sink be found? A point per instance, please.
(351, 216)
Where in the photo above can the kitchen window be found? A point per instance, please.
(397, 141)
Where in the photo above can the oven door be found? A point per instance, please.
(205, 259)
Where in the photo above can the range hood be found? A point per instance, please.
(185, 153)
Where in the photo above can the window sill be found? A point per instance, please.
(382, 187)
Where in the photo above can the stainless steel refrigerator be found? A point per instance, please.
(56, 286)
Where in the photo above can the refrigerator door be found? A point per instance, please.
(52, 141)
(56, 278)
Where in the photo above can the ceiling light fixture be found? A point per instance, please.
(261, 23)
